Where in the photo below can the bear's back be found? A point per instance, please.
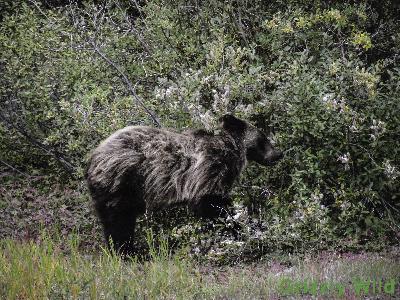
(172, 165)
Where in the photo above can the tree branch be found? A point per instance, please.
(63, 161)
(13, 168)
(128, 84)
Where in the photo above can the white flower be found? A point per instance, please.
(259, 234)
(227, 90)
(245, 109)
(334, 103)
(207, 120)
(207, 79)
(238, 206)
(345, 205)
(390, 171)
(228, 242)
(159, 93)
(317, 197)
(353, 128)
(170, 91)
(378, 128)
(327, 98)
(237, 216)
(345, 158)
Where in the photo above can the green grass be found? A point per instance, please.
(54, 269)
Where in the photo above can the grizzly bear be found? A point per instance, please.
(140, 168)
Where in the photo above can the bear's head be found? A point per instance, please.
(257, 145)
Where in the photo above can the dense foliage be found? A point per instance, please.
(321, 76)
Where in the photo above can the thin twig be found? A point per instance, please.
(13, 168)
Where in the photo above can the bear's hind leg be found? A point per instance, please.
(119, 227)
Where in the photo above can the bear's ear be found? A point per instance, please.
(232, 124)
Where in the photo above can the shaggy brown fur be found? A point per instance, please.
(140, 168)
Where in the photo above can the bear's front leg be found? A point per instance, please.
(211, 206)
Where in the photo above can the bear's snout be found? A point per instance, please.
(278, 154)
(273, 157)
